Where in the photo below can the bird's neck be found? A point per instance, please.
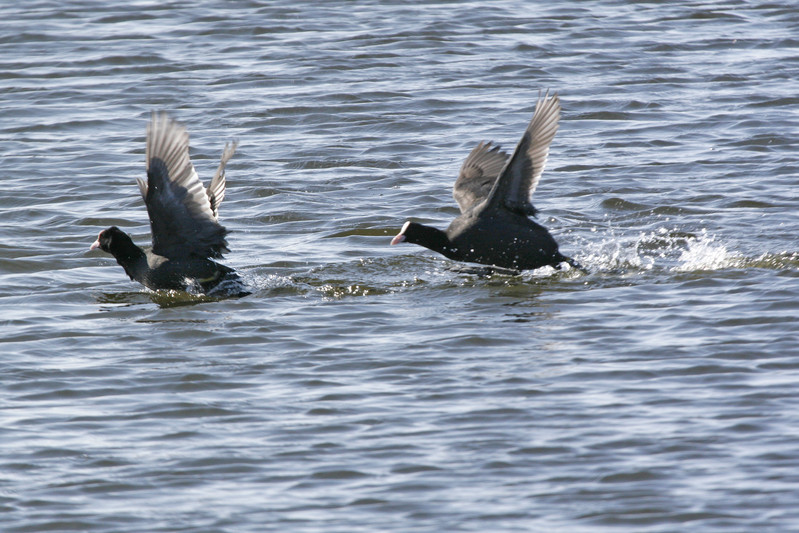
(434, 239)
(132, 259)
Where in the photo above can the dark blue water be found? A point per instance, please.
(364, 387)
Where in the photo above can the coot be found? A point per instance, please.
(493, 192)
(183, 218)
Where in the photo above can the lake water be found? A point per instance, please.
(364, 387)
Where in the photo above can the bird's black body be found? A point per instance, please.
(493, 191)
(506, 240)
(162, 273)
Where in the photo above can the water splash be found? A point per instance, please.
(704, 253)
(670, 249)
(259, 282)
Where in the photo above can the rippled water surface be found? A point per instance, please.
(364, 387)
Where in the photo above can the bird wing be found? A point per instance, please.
(216, 190)
(478, 174)
(520, 176)
(182, 213)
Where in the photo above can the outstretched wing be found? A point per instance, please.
(182, 214)
(478, 174)
(520, 176)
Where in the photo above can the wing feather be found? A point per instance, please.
(216, 190)
(478, 174)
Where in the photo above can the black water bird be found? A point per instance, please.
(493, 192)
(186, 234)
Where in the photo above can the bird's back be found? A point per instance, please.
(502, 238)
